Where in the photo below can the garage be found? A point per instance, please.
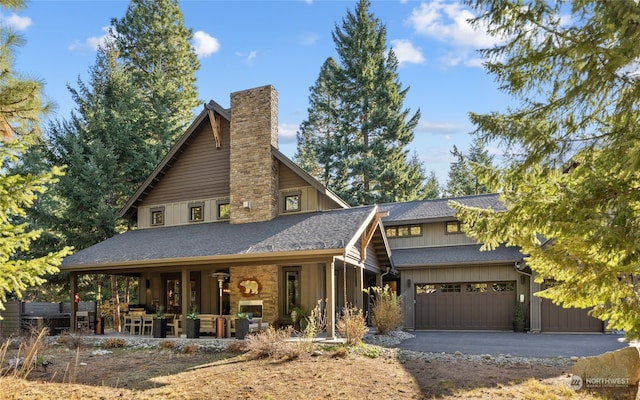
(558, 319)
(465, 306)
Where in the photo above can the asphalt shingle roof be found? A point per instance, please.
(331, 229)
(453, 255)
(425, 210)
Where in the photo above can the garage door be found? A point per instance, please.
(470, 306)
(558, 319)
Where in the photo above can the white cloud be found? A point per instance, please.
(204, 44)
(16, 22)
(442, 128)
(308, 40)
(448, 23)
(287, 133)
(92, 43)
(406, 52)
(252, 55)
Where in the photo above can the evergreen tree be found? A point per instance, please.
(432, 187)
(572, 176)
(360, 119)
(155, 48)
(463, 175)
(22, 106)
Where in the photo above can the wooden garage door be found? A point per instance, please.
(470, 306)
(558, 319)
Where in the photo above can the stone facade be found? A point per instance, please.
(254, 173)
(267, 276)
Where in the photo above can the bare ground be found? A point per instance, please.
(329, 374)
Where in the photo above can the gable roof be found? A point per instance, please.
(436, 209)
(131, 207)
(322, 233)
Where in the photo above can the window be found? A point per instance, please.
(292, 202)
(453, 227)
(504, 287)
(196, 212)
(157, 216)
(404, 231)
(291, 289)
(477, 287)
(425, 289)
(224, 210)
(450, 288)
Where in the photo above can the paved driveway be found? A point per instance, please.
(515, 344)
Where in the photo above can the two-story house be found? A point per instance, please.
(226, 217)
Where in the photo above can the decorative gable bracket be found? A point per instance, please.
(371, 230)
(214, 120)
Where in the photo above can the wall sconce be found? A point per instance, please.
(408, 283)
(522, 298)
(246, 204)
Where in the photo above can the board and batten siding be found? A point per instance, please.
(433, 234)
(202, 173)
(452, 274)
(178, 213)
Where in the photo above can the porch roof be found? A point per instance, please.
(322, 233)
(454, 255)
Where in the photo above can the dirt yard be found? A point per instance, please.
(328, 373)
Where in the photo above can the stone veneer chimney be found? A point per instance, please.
(254, 173)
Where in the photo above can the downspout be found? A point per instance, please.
(382, 276)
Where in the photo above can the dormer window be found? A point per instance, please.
(403, 231)
(292, 201)
(157, 216)
(196, 212)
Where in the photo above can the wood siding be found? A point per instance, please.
(432, 235)
(202, 171)
(289, 179)
(178, 213)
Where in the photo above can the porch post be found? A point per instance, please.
(185, 301)
(330, 279)
(359, 294)
(73, 306)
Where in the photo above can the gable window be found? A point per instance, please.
(292, 201)
(403, 231)
(224, 210)
(196, 212)
(453, 227)
(157, 216)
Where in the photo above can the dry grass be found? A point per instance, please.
(338, 372)
(351, 325)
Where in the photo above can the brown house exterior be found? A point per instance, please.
(225, 200)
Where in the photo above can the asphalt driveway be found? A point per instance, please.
(515, 344)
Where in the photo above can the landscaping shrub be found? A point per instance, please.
(72, 341)
(386, 313)
(167, 345)
(351, 325)
(190, 349)
(115, 343)
(272, 343)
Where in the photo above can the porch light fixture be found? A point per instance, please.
(246, 204)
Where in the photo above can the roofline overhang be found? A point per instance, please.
(296, 256)
(508, 263)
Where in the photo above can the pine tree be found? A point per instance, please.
(155, 47)
(368, 128)
(463, 175)
(571, 182)
(22, 106)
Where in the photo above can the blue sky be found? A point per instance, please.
(243, 44)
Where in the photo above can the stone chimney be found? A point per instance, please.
(254, 173)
